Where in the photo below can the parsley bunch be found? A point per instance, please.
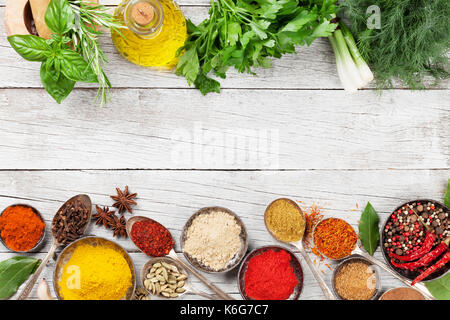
(247, 33)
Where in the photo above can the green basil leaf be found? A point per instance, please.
(14, 272)
(60, 88)
(368, 229)
(75, 68)
(31, 48)
(59, 16)
(440, 288)
(447, 195)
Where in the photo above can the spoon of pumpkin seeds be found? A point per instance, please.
(166, 278)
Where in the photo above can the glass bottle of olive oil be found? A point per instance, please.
(154, 31)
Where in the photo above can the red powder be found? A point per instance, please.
(270, 276)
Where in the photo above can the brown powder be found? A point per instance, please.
(355, 281)
(402, 294)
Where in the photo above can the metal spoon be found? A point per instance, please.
(55, 244)
(419, 286)
(299, 245)
(172, 254)
(181, 270)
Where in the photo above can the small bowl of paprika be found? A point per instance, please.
(22, 228)
(270, 273)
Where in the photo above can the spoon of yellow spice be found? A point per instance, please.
(286, 223)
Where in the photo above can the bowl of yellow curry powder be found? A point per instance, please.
(94, 268)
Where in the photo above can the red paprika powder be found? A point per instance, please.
(20, 228)
(152, 238)
(270, 276)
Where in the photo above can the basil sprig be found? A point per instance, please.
(61, 66)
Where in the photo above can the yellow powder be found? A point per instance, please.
(285, 221)
(95, 273)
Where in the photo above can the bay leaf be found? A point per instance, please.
(440, 288)
(14, 272)
(447, 195)
(369, 232)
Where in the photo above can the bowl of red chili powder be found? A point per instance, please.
(270, 273)
(22, 228)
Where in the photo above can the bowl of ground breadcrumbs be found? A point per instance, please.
(214, 240)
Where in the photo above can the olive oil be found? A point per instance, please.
(154, 32)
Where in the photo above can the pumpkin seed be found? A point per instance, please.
(157, 265)
(165, 294)
(180, 284)
(180, 290)
(174, 295)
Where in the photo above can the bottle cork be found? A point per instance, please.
(142, 13)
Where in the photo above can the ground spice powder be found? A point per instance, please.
(355, 281)
(20, 228)
(284, 219)
(95, 273)
(335, 238)
(213, 239)
(402, 294)
(270, 276)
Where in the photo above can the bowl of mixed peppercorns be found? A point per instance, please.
(415, 240)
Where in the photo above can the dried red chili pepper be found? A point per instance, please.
(435, 267)
(424, 249)
(426, 259)
(152, 238)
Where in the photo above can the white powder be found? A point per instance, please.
(213, 239)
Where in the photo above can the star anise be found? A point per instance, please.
(119, 227)
(124, 200)
(104, 216)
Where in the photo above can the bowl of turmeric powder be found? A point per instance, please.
(22, 228)
(94, 268)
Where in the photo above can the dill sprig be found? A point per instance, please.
(85, 35)
(412, 44)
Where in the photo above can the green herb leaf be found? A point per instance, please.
(59, 16)
(368, 229)
(56, 83)
(447, 195)
(206, 84)
(14, 272)
(31, 48)
(188, 65)
(440, 288)
(75, 68)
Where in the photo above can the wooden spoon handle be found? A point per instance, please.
(208, 283)
(38, 8)
(30, 284)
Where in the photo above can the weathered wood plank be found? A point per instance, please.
(172, 196)
(238, 129)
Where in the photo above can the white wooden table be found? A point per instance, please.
(289, 132)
